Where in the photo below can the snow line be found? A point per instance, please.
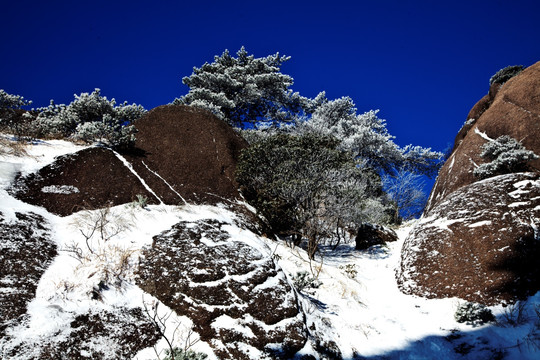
(482, 134)
(130, 167)
(165, 181)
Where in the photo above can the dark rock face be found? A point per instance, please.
(369, 235)
(481, 244)
(234, 294)
(25, 252)
(125, 331)
(480, 240)
(186, 152)
(181, 153)
(89, 179)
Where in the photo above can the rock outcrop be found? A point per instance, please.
(181, 154)
(26, 250)
(92, 178)
(480, 240)
(240, 303)
(509, 109)
(372, 234)
(481, 244)
(186, 153)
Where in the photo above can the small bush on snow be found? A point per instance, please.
(141, 201)
(349, 270)
(302, 280)
(92, 117)
(473, 313)
(108, 263)
(515, 314)
(179, 354)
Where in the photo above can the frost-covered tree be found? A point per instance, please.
(92, 117)
(244, 89)
(11, 102)
(366, 137)
(10, 115)
(307, 188)
(506, 155)
(505, 74)
(405, 189)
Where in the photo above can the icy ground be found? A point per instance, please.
(357, 305)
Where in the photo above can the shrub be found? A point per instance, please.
(11, 115)
(141, 201)
(179, 354)
(306, 187)
(514, 314)
(349, 270)
(473, 313)
(507, 156)
(505, 74)
(92, 117)
(302, 280)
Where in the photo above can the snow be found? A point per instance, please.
(227, 322)
(452, 163)
(441, 223)
(60, 189)
(482, 134)
(480, 223)
(369, 316)
(363, 312)
(41, 153)
(166, 183)
(130, 167)
(369, 313)
(518, 204)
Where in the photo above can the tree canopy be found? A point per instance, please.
(244, 89)
(304, 185)
(11, 115)
(366, 137)
(248, 90)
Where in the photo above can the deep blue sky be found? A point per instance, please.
(424, 64)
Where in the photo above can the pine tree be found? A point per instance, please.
(10, 105)
(366, 137)
(244, 89)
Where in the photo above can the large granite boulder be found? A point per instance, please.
(26, 251)
(479, 239)
(181, 154)
(226, 282)
(482, 243)
(373, 234)
(186, 153)
(510, 109)
(92, 178)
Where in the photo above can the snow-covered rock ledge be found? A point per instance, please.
(481, 243)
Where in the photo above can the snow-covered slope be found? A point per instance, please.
(356, 312)
(360, 308)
